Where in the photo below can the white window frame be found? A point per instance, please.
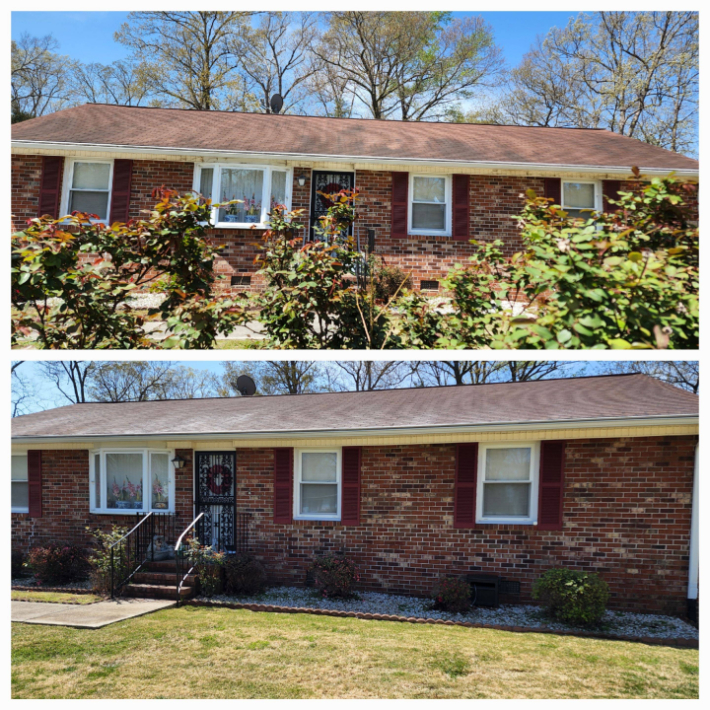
(16, 509)
(531, 518)
(98, 509)
(410, 200)
(69, 178)
(597, 195)
(265, 191)
(297, 468)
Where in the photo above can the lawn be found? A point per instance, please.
(61, 597)
(198, 652)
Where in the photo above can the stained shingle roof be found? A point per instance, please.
(563, 400)
(143, 127)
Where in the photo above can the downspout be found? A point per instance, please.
(694, 535)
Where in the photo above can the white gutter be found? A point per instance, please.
(694, 555)
(682, 420)
(624, 171)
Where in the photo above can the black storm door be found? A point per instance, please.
(327, 182)
(216, 497)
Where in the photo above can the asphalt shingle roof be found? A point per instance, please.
(143, 127)
(618, 397)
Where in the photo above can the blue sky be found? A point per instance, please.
(88, 36)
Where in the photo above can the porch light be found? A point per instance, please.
(178, 462)
(302, 179)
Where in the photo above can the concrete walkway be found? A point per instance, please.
(85, 616)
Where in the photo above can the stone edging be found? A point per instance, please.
(681, 642)
(55, 590)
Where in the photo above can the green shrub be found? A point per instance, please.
(17, 561)
(452, 594)
(573, 597)
(244, 574)
(58, 563)
(209, 566)
(100, 559)
(335, 576)
(388, 281)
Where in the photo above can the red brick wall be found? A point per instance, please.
(25, 183)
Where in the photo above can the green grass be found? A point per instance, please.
(239, 344)
(61, 597)
(198, 652)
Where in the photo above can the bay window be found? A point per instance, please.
(579, 196)
(19, 493)
(430, 205)
(317, 484)
(128, 481)
(507, 483)
(259, 187)
(88, 187)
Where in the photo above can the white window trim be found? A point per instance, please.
(598, 199)
(410, 200)
(147, 483)
(27, 480)
(69, 177)
(266, 190)
(531, 519)
(297, 483)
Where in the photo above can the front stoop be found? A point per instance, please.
(157, 580)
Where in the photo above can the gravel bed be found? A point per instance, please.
(32, 582)
(143, 300)
(528, 616)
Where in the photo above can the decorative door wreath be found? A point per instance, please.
(219, 480)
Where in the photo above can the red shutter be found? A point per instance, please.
(121, 190)
(461, 207)
(465, 486)
(50, 187)
(553, 189)
(552, 466)
(400, 194)
(610, 189)
(350, 508)
(283, 485)
(34, 483)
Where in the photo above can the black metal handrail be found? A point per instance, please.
(131, 552)
(180, 575)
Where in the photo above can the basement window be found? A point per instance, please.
(128, 481)
(317, 484)
(19, 493)
(507, 483)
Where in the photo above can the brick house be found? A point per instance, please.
(510, 479)
(428, 188)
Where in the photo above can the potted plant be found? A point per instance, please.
(232, 214)
(253, 210)
(160, 495)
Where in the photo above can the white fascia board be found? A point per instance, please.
(204, 154)
(380, 431)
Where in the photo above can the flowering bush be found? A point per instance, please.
(58, 564)
(452, 594)
(244, 574)
(571, 596)
(335, 576)
(100, 559)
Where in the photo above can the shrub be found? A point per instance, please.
(100, 559)
(452, 594)
(244, 574)
(17, 562)
(58, 564)
(335, 576)
(388, 280)
(571, 596)
(209, 566)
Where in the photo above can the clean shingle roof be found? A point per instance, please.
(144, 127)
(617, 397)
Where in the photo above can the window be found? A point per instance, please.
(127, 481)
(507, 483)
(259, 188)
(579, 196)
(89, 187)
(19, 495)
(430, 205)
(317, 483)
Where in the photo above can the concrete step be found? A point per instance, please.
(164, 579)
(156, 591)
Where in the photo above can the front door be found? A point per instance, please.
(216, 497)
(327, 182)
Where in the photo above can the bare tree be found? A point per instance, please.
(681, 373)
(437, 373)
(121, 83)
(275, 56)
(132, 381)
(21, 391)
(367, 375)
(277, 377)
(72, 378)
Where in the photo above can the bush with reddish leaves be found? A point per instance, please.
(335, 576)
(58, 564)
(452, 594)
